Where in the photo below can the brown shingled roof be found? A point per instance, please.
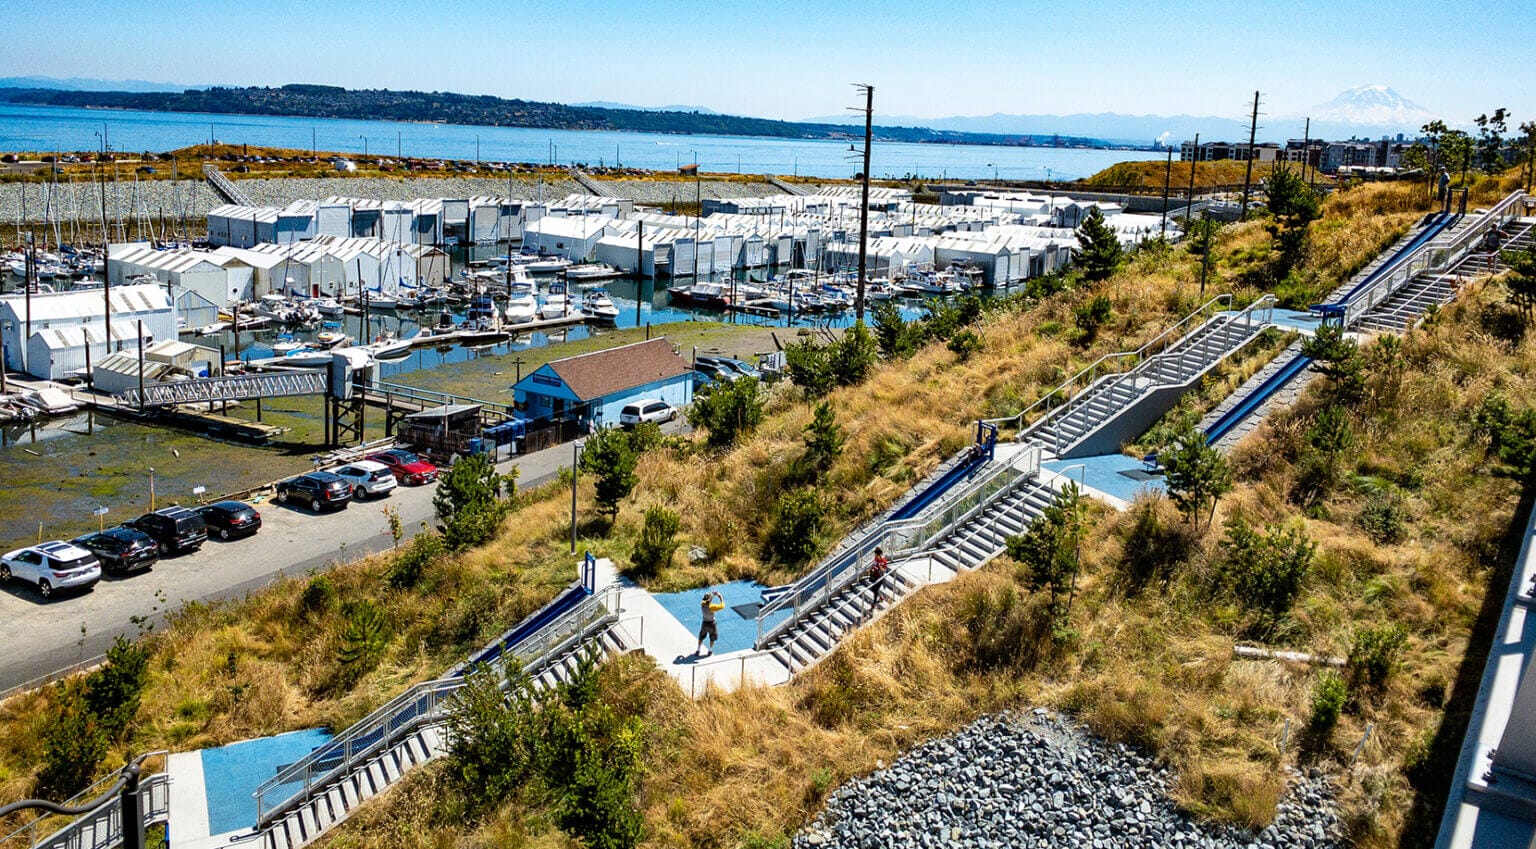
(602, 373)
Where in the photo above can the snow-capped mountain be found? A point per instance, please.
(1375, 106)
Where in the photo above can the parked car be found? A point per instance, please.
(230, 519)
(53, 566)
(175, 530)
(121, 550)
(367, 478)
(646, 410)
(716, 371)
(728, 367)
(317, 489)
(407, 468)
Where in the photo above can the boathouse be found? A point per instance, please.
(596, 386)
(61, 325)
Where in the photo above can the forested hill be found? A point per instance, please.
(317, 101)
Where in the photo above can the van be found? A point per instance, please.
(647, 410)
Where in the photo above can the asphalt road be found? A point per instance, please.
(43, 638)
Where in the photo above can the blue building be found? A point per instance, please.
(596, 386)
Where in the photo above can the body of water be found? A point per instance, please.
(58, 128)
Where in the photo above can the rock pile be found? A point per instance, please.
(1007, 781)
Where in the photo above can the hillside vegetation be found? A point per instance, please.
(1410, 523)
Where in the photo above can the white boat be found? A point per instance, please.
(547, 265)
(49, 401)
(591, 271)
(385, 346)
(521, 307)
(599, 306)
(286, 344)
(332, 338)
(556, 304)
(377, 300)
(436, 336)
(329, 306)
(211, 329)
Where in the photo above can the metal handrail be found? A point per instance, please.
(934, 526)
(402, 715)
(86, 804)
(1429, 256)
(1092, 369)
(1148, 365)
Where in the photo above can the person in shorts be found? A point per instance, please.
(712, 603)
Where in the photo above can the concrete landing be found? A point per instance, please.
(1114, 478)
(212, 790)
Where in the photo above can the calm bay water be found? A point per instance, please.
(45, 128)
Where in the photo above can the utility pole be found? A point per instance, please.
(1167, 178)
(1253, 129)
(1306, 149)
(1189, 207)
(869, 117)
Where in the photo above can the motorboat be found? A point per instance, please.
(329, 307)
(432, 336)
(376, 299)
(556, 303)
(286, 343)
(591, 271)
(701, 295)
(385, 347)
(332, 338)
(48, 401)
(598, 305)
(522, 307)
(546, 265)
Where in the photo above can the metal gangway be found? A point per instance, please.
(225, 187)
(231, 388)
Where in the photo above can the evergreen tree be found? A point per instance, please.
(896, 338)
(469, 501)
(1099, 253)
(1048, 549)
(612, 459)
(727, 410)
(823, 439)
(1197, 474)
(1521, 280)
(1293, 205)
(1337, 358)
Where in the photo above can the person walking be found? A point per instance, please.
(878, 569)
(712, 603)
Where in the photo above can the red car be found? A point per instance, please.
(407, 467)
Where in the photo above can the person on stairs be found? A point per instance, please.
(878, 569)
(712, 603)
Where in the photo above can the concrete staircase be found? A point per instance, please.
(397, 746)
(971, 543)
(1117, 407)
(1436, 288)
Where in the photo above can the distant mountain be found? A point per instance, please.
(86, 84)
(1110, 126)
(608, 104)
(1369, 110)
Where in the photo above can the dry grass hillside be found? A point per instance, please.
(1147, 654)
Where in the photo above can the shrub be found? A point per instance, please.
(1153, 546)
(1383, 517)
(1091, 315)
(657, 542)
(74, 743)
(1375, 653)
(1329, 694)
(852, 356)
(797, 521)
(727, 411)
(809, 366)
(112, 692)
(1048, 549)
(319, 595)
(1197, 474)
(965, 344)
(1264, 570)
(409, 566)
(896, 338)
(491, 736)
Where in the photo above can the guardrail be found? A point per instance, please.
(1090, 373)
(1429, 256)
(103, 827)
(899, 539)
(421, 705)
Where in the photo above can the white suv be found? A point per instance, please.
(367, 478)
(52, 566)
(646, 410)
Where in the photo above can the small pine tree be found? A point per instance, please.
(851, 357)
(74, 743)
(1048, 549)
(823, 439)
(1337, 358)
(469, 501)
(797, 521)
(1099, 252)
(896, 338)
(809, 366)
(612, 459)
(1521, 280)
(363, 641)
(112, 692)
(1197, 475)
(965, 344)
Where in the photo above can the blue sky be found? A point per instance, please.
(793, 59)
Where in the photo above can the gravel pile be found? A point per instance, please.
(1039, 781)
(83, 199)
